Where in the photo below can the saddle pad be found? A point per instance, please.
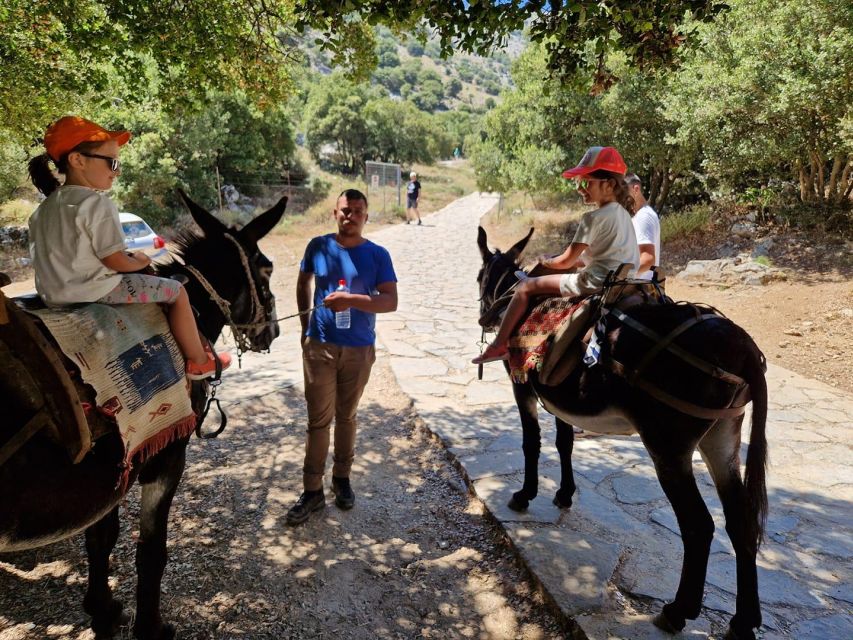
(527, 347)
(128, 355)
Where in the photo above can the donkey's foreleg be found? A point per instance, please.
(159, 480)
(525, 400)
(720, 449)
(565, 444)
(99, 603)
(697, 531)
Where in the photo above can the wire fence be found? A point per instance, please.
(384, 186)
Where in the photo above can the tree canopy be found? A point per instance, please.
(58, 54)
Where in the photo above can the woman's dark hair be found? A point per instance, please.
(620, 188)
(39, 168)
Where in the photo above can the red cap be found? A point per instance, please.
(66, 133)
(598, 159)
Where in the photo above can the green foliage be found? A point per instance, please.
(576, 34)
(13, 162)
(415, 48)
(57, 54)
(346, 124)
(682, 224)
(769, 93)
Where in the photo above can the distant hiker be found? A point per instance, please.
(646, 226)
(413, 194)
(605, 237)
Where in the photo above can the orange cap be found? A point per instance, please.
(66, 133)
(598, 159)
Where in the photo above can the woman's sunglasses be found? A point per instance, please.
(115, 163)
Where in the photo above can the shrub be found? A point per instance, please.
(683, 223)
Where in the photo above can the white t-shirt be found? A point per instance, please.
(647, 228)
(610, 235)
(69, 233)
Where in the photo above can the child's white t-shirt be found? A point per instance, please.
(610, 235)
(69, 233)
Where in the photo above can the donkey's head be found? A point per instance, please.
(497, 276)
(234, 271)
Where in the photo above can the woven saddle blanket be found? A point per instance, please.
(531, 342)
(128, 355)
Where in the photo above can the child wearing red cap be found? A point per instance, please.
(605, 238)
(77, 243)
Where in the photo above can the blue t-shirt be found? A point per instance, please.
(364, 268)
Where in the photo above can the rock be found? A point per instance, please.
(792, 332)
(762, 248)
(744, 229)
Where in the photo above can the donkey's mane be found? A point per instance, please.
(188, 243)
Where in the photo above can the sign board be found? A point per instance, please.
(374, 181)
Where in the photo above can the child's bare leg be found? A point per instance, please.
(544, 285)
(183, 326)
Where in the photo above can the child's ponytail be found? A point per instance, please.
(42, 176)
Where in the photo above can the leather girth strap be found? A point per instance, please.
(633, 376)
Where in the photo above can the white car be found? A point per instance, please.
(138, 236)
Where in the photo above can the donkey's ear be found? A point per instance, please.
(481, 242)
(203, 218)
(518, 247)
(263, 224)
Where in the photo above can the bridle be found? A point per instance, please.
(242, 332)
(501, 291)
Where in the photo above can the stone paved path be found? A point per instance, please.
(614, 558)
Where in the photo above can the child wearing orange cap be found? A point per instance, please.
(605, 238)
(77, 243)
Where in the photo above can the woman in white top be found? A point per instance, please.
(77, 243)
(604, 240)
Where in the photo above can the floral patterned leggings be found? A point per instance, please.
(136, 288)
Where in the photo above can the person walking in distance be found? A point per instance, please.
(413, 194)
(646, 226)
(337, 356)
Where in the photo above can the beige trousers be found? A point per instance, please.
(335, 378)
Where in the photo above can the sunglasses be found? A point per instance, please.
(115, 163)
(584, 183)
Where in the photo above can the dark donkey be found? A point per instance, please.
(600, 399)
(44, 498)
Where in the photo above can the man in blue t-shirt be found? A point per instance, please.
(336, 362)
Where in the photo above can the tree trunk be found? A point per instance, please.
(834, 175)
(847, 180)
(654, 186)
(666, 184)
(804, 182)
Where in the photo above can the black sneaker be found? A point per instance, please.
(344, 497)
(308, 502)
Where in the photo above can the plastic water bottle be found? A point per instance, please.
(342, 318)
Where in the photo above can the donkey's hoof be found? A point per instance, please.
(663, 622)
(731, 634)
(562, 499)
(519, 501)
(107, 623)
(163, 632)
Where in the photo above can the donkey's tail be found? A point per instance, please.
(756, 456)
